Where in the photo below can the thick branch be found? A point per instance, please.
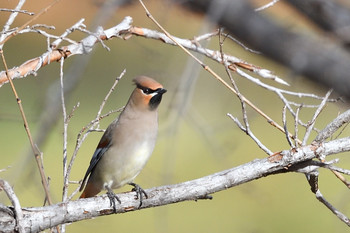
(36, 219)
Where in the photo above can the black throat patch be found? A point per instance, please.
(155, 101)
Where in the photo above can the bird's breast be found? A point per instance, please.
(142, 153)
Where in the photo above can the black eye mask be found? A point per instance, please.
(146, 90)
(155, 100)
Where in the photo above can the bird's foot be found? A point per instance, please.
(112, 197)
(139, 191)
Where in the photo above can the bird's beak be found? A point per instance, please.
(161, 91)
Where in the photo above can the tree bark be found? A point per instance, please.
(39, 218)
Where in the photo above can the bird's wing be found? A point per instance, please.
(104, 144)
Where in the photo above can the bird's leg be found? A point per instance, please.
(112, 197)
(139, 191)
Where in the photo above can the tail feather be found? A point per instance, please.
(90, 190)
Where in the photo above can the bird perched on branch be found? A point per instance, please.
(127, 143)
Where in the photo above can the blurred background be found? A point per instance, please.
(196, 138)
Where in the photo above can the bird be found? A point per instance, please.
(127, 144)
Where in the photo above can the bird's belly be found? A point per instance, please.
(126, 167)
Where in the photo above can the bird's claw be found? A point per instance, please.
(139, 191)
(112, 197)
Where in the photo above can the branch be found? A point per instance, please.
(35, 149)
(92, 126)
(333, 126)
(36, 219)
(15, 202)
(83, 47)
(316, 59)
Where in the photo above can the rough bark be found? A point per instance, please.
(39, 218)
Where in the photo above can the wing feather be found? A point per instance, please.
(104, 144)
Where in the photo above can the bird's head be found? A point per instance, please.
(148, 93)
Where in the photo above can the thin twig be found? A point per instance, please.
(18, 11)
(109, 93)
(70, 115)
(216, 76)
(341, 131)
(341, 178)
(250, 134)
(245, 129)
(68, 31)
(338, 169)
(27, 129)
(336, 212)
(4, 169)
(65, 134)
(3, 40)
(284, 120)
(92, 125)
(270, 4)
(313, 120)
(312, 178)
(47, 35)
(332, 127)
(10, 20)
(99, 31)
(242, 45)
(205, 36)
(296, 128)
(74, 192)
(15, 202)
(208, 69)
(84, 46)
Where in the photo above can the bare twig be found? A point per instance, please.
(93, 125)
(109, 93)
(330, 129)
(313, 181)
(19, 11)
(336, 212)
(10, 20)
(250, 134)
(216, 56)
(296, 128)
(212, 54)
(245, 47)
(15, 202)
(99, 30)
(65, 134)
(338, 169)
(245, 129)
(27, 129)
(208, 69)
(284, 120)
(68, 31)
(313, 120)
(4, 169)
(13, 16)
(270, 4)
(341, 178)
(83, 47)
(205, 36)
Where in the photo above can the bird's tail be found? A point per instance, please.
(90, 191)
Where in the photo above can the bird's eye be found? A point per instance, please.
(147, 91)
